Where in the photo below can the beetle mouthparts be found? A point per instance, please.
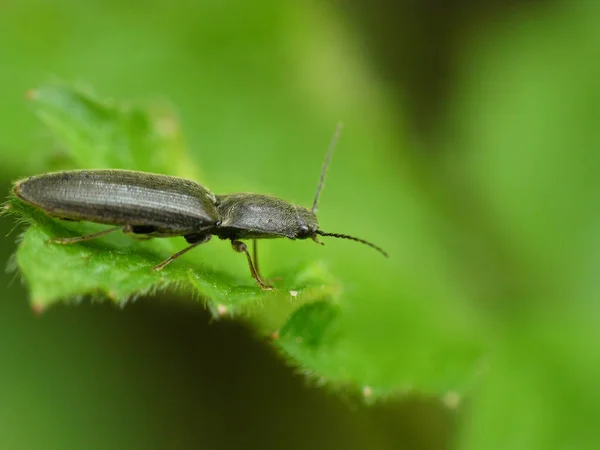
(316, 239)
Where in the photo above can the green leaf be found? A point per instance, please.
(305, 335)
(100, 134)
(382, 331)
(103, 134)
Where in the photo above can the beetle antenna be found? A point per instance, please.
(352, 238)
(332, 145)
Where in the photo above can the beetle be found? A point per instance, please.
(153, 205)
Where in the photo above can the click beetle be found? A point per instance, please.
(153, 205)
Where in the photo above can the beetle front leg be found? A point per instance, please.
(255, 257)
(240, 247)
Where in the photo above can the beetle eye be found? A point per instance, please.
(303, 232)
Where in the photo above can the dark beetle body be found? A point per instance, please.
(156, 205)
(164, 206)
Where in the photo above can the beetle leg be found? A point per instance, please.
(141, 237)
(162, 265)
(314, 238)
(255, 261)
(240, 247)
(87, 237)
(255, 257)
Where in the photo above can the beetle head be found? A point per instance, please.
(307, 223)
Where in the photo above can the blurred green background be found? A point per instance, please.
(470, 153)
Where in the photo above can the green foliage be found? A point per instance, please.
(307, 311)
(100, 134)
(491, 286)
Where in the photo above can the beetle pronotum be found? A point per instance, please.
(155, 205)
